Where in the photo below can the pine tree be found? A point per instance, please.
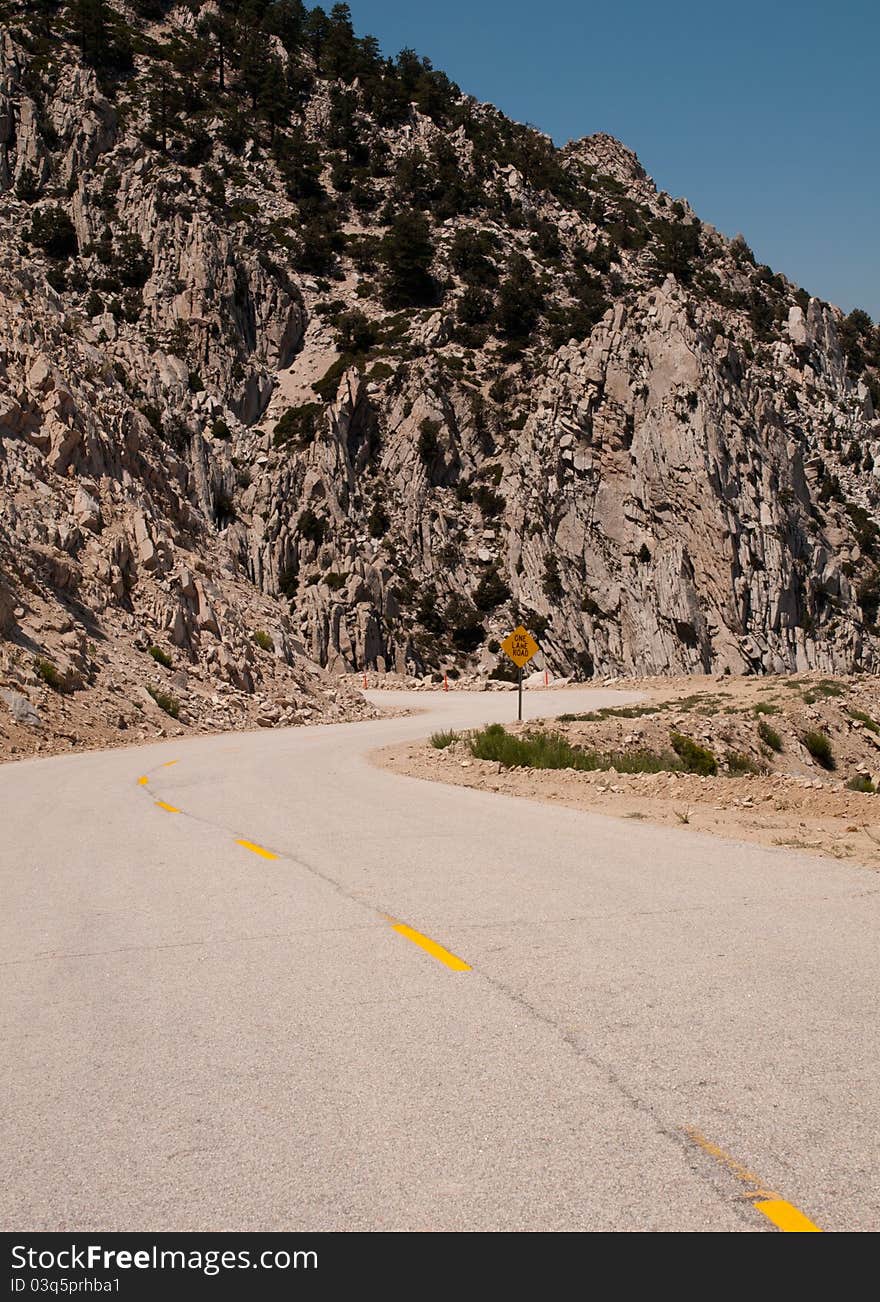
(407, 253)
(91, 20)
(253, 66)
(164, 104)
(286, 20)
(343, 131)
(519, 300)
(315, 31)
(218, 26)
(339, 49)
(273, 95)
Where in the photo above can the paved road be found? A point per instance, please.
(656, 1030)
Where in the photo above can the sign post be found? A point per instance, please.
(519, 646)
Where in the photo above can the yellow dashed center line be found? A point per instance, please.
(442, 955)
(784, 1215)
(257, 849)
(431, 947)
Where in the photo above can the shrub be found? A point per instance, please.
(334, 580)
(819, 746)
(311, 526)
(861, 782)
(866, 719)
(440, 740)
(54, 233)
(131, 262)
(694, 757)
(161, 657)
(470, 257)
(828, 687)
(49, 673)
(407, 253)
(297, 425)
(491, 591)
(463, 621)
(356, 333)
(490, 503)
(505, 671)
(770, 737)
(677, 247)
(550, 750)
(264, 640)
(378, 520)
(765, 707)
(520, 301)
(429, 443)
(224, 508)
(552, 583)
(164, 701)
(737, 762)
(538, 750)
(328, 385)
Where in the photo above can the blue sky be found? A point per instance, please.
(764, 115)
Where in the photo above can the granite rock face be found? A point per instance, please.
(217, 423)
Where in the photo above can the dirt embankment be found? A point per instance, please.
(776, 782)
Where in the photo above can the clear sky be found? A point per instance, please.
(763, 113)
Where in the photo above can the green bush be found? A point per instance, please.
(770, 737)
(356, 333)
(311, 526)
(737, 762)
(54, 233)
(490, 503)
(819, 746)
(440, 740)
(491, 591)
(870, 724)
(520, 300)
(328, 386)
(828, 687)
(550, 750)
(765, 707)
(407, 252)
(49, 673)
(264, 640)
(694, 757)
(378, 521)
(537, 750)
(861, 782)
(164, 701)
(429, 443)
(297, 425)
(552, 583)
(161, 657)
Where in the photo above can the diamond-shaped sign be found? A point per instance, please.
(520, 646)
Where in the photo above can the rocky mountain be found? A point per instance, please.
(310, 359)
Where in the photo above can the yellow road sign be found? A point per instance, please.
(520, 646)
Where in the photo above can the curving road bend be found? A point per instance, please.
(274, 987)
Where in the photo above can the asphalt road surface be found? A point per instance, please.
(252, 982)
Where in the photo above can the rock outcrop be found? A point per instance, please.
(347, 371)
